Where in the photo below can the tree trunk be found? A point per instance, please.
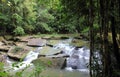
(91, 35)
(104, 22)
(115, 45)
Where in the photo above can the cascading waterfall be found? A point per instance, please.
(79, 57)
(32, 55)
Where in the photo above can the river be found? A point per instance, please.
(76, 64)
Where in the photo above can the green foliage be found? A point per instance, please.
(2, 72)
(86, 30)
(1, 66)
(39, 67)
(19, 31)
(3, 17)
(42, 27)
(17, 17)
(42, 16)
(28, 28)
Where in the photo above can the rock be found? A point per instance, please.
(59, 37)
(8, 37)
(18, 53)
(1, 43)
(21, 44)
(46, 37)
(51, 43)
(1, 38)
(79, 43)
(51, 62)
(36, 42)
(4, 48)
(54, 37)
(73, 62)
(65, 37)
(58, 56)
(49, 51)
(78, 37)
(3, 59)
(5, 42)
(25, 38)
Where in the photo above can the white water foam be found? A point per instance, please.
(32, 55)
(79, 58)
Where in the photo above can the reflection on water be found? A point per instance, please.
(63, 73)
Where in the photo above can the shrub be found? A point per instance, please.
(2, 72)
(19, 31)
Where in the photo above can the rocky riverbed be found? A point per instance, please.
(52, 53)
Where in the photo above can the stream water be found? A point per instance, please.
(79, 57)
(76, 64)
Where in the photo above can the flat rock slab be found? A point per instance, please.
(21, 44)
(18, 53)
(51, 62)
(4, 48)
(57, 56)
(36, 42)
(79, 43)
(45, 51)
(25, 38)
(52, 42)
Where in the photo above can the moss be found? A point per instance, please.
(17, 49)
(79, 43)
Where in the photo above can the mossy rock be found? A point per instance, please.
(49, 51)
(51, 62)
(36, 42)
(79, 43)
(18, 53)
(51, 43)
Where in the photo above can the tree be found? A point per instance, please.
(91, 17)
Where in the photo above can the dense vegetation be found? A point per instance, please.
(101, 18)
(41, 16)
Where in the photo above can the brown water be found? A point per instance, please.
(63, 73)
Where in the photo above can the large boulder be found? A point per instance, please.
(51, 62)
(36, 42)
(45, 51)
(18, 53)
